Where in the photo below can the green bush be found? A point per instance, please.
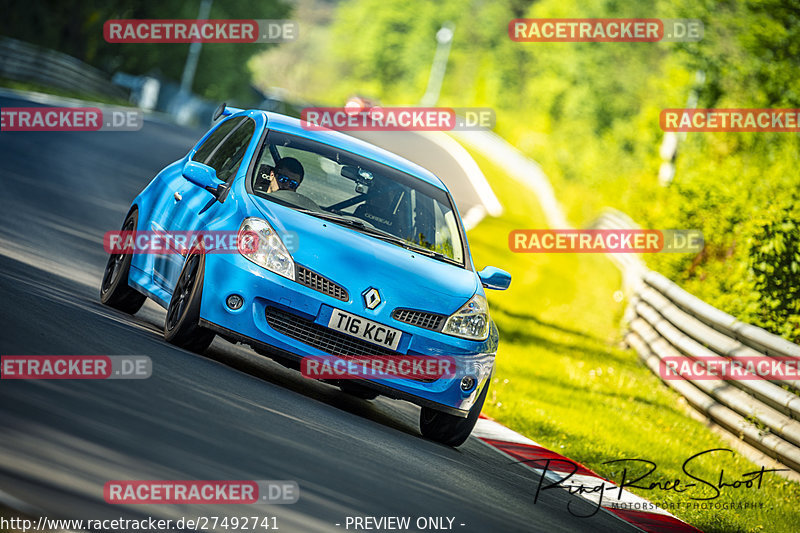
(774, 265)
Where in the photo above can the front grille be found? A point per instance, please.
(320, 337)
(421, 319)
(321, 284)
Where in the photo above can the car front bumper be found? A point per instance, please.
(228, 274)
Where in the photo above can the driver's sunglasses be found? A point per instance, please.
(283, 180)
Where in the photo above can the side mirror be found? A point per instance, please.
(494, 278)
(203, 176)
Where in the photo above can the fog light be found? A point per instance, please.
(234, 301)
(467, 383)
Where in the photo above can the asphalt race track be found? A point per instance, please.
(229, 414)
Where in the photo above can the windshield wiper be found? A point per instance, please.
(409, 245)
(333, 217)
(439, 255)
(432, 253)
(362, 226)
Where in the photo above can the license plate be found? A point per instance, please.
(364, 329)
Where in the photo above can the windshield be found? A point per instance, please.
(353, 191)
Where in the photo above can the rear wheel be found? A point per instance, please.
(114, 289)
(450, 429)
(182, 326)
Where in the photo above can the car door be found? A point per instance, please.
(181, 198)
(226, 159)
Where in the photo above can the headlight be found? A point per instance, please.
(267, 250)
(471, 321)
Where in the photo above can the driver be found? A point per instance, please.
(286, 175)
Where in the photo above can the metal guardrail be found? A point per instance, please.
(22, 61)
(26, 62)
(666, 321)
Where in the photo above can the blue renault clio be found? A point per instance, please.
(359, 252)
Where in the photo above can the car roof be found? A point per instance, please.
(293, 126)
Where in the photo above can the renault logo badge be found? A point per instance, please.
(372, 298)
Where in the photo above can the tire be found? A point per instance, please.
(181, 327)
(114, 289)
(449, 429)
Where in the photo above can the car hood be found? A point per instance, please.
(358, 262)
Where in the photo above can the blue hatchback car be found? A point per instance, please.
(348, 234)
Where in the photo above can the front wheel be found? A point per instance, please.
(449, 429)
(182, 326)
(114, 289)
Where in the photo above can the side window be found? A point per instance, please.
(227, 158)
(213, 140)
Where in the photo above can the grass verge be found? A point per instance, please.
(564, 380)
